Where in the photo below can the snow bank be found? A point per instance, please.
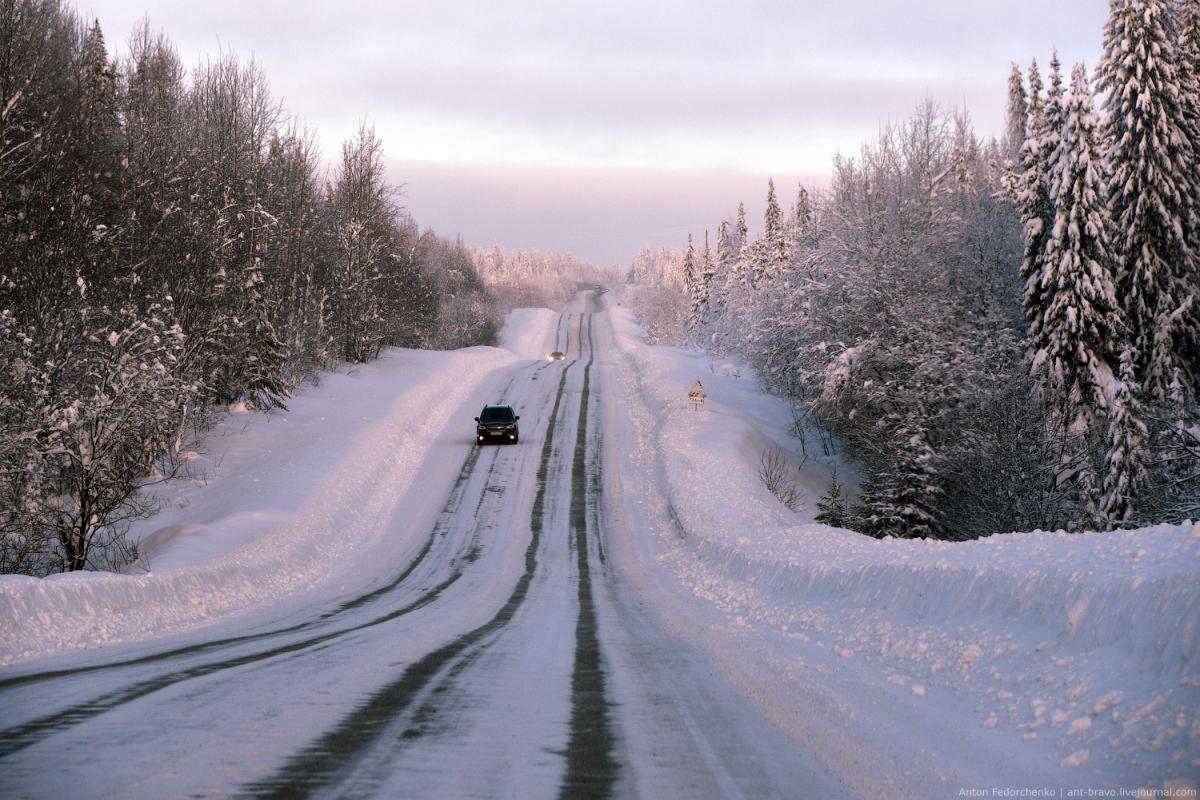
(284, 503)
(529, 332)
(1087, 646)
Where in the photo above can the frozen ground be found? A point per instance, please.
(351, 599)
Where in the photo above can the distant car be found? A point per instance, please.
(496, 424)
(557, 355)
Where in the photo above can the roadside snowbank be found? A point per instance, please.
(1086, 647)
(282, 503)
(529, 332)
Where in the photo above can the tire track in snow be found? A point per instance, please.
(335, 757)
(591, 769)
(562, 333)
(20, 737)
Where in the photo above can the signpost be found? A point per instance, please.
(696, 396)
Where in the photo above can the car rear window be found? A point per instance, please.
(496, 415)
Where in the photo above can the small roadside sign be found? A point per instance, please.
(696, 395)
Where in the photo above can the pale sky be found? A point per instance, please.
(603, 127)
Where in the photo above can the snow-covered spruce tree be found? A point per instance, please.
(1018, 113)
(832, 505)
(761, 259)
(1055, 108)
(739, 275)
(799, 228)
(702, 302)
(719, 289)
(773, 233)
(899, 496)
(1188, 25)
(1188, 16)
(1078, 320)
(1036, 206)
(741, 230)
(802, 212)
(758, 263)
(1079, 323)
(690, 282)
(723, 262)
(265, 383)
(1152, 197)
(1125, 457)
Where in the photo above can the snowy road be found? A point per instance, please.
(506, 654)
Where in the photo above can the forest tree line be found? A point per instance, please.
(171, 242)
(535, 279)
(1006, 333)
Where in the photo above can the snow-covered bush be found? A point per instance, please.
(662, 311)
(100, 403)
(775, 474)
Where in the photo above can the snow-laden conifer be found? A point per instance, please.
(708, 271)
(831, 507)
(266, 386)
(773, 232)
(1079, 325)
(799, 227)
(1188, 26)
(802, 212)
(1152, 193)
(1036, 207)
(740, 274)
(1055, 98)
(900, 496)
(690, 288)
(1017, 112)
(1124, 462)
(722, 266)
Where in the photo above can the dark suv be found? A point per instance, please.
(496, 424)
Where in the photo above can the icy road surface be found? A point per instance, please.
(505, 656)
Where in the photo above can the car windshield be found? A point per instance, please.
(496, 414)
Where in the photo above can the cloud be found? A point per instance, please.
(610, 71)
(621, 96)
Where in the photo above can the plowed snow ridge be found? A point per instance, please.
(392, 411)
